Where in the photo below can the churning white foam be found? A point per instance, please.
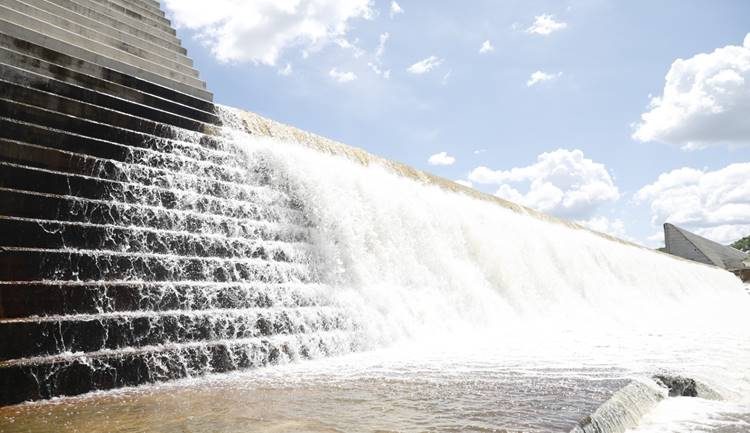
(414, 262)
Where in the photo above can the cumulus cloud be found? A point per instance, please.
(425, 65)
(602, 224)
(395, 9)
(441, 158)
(545, 24)
(486, 47)
(705, 100)
(714, 204)
(540, 77)
(563, 183)
(259, 31)
(342, 77)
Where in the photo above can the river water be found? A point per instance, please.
(470, 317)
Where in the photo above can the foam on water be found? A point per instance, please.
(414, 262)
(474, 314)
(695, 415)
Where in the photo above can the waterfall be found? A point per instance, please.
(149, 235)
(410, 260)
(176, 259)
(257, 244)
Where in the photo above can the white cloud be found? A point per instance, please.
(395, 9)
(705, 100)
(479, 151)
(563, 183)
(425, 65)
(379, 71)
(656, 240)
(286, 71)
(441, 158)
(465, 183)
(486, 47)
(602, 224)
(446, 77)
(381, 45)
(345, 44)
(376, 65)
(545, 24)
(259, 31)
(714, 204)
(540, 77)
(342, 77)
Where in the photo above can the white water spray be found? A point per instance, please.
(415, 262)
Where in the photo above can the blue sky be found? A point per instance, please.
(549, 113)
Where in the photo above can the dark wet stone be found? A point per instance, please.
(678, 386)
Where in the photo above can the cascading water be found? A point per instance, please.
(470, 315)
(177, 260)
(469, 281)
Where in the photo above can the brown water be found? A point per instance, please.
(491, 383)
(357, 393)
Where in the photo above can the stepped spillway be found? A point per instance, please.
(135, 247)
(149, 235)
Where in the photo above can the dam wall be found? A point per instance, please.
(134, 247)
(137, 244)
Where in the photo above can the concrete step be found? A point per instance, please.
(37, 337)
(132, 10)
(25, 154)
(92, 121)
(28, 86)
(192, 159)
(43, 299)
(60, 66)
(76, 107)
(69, 20)
(150, 3)
(33, 264)
(153, 7)
(142, 8)
(70, 44)
(156, 30)
(136, 29)
(34, 233)
(60, 207)
(26, 178)
(23, 64)
(78, 374)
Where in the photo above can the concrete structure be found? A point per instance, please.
(682, 243)
(131, 245)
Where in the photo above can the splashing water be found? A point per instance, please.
(473, 316)
(441, 269)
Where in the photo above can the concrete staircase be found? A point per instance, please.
(135, 246)
(124, 36)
